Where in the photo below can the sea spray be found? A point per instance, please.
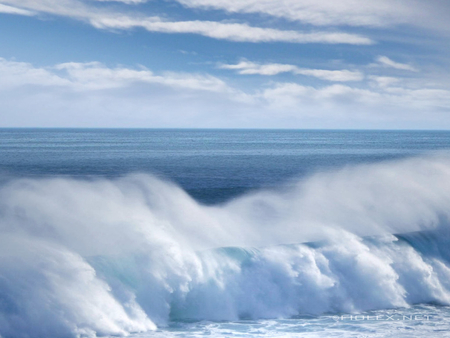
(110, 257)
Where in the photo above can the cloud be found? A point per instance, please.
(92, 94)
(70, 8)
(381, 13)
(229, 31)
(95, 95)
(384, 81)
(390, 103)
(333, 75)
(13, 10)
(128, 2)
(96, 76)
(431, 14)
(386, 62)
(13, 74)
(292, 95)
(247, 67)
(239, 32)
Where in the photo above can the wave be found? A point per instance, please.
(85, 258)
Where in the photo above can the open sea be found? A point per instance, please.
(224, 233)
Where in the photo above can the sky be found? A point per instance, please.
(356, 64)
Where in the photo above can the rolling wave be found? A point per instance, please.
(85, 258)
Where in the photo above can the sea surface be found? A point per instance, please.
(212, 165)
(224, 233)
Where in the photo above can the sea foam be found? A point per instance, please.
(92, 257)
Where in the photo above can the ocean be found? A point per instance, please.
(224, 233)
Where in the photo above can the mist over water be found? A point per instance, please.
(112, 256)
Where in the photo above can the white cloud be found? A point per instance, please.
(13, 10)
(128, 2)
(348, 12)
(92, 94)
(218, 30)
(247, 67)
(96, 76)
(228, 31)
(386, 62)
(393, 103)
(384, 81)
(380, 13)
(13, 74)
(333, 75)
(69, 8)
(292, 95)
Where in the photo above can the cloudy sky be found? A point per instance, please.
(225, 63)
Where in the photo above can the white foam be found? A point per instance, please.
(95, 257)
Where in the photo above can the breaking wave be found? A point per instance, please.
(109, 257)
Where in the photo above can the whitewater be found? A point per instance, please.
(138, 255)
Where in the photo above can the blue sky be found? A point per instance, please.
(225, 63)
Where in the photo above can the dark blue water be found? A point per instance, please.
(211, 165)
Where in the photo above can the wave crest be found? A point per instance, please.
(101, 257)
